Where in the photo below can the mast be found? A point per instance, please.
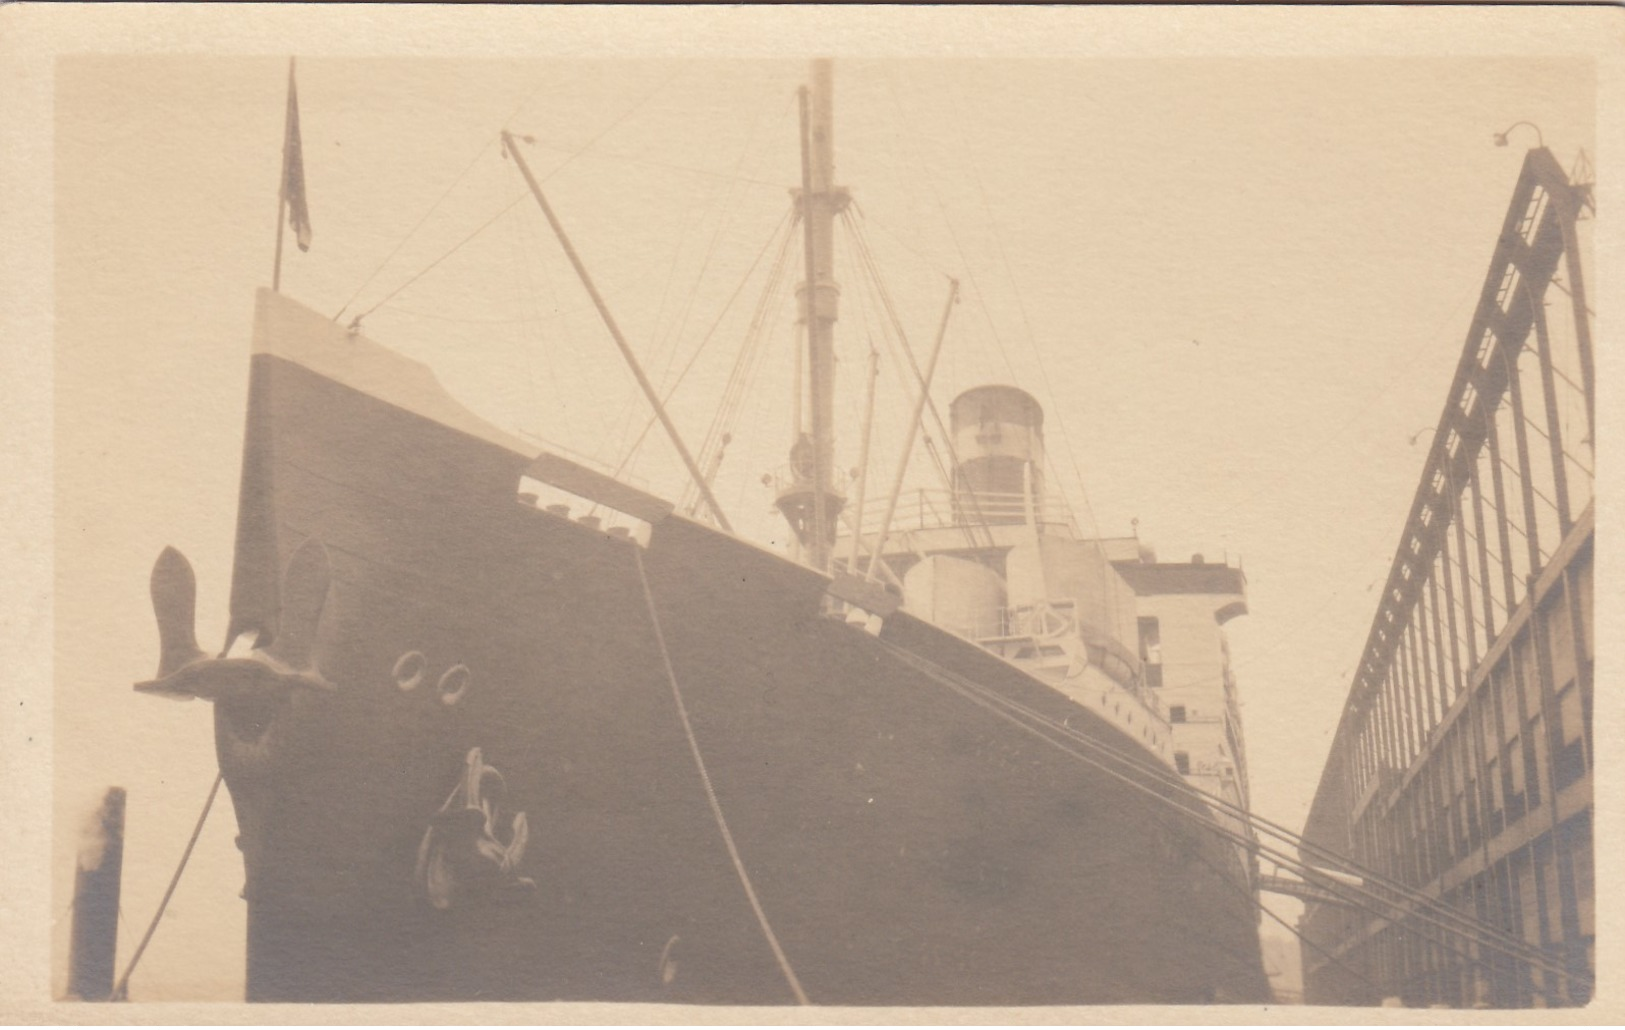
(863, 455)
(811, 502)
(913, 429)
(511, 146)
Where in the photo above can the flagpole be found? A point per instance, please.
(282, 188)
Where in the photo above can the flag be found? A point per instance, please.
(293, 169)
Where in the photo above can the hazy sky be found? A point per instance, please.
(1239, 287)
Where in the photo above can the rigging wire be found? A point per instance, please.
(459, 319)
(977, 516)
(661, 341)
(1364, 408)
(879, 285)
(1032, 340)
(897, 238)
(413, 231)
(605, 131)
(554, 171)
(1310, 619)
(436, 262)
(659, 345)
(521, 265)
(678, 382)
(722, 204)
(746, 363)
(853, 515)
(896, 342)
(743, 180)
(525, 101)
(953, 234)
(535, 302)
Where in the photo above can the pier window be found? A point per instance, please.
(1570, 764)
(1577, 833)
(1559, 635)
(1512, 761)
(1176, 713)
(1182, 762)
(1534, 748)
(1493, 788)
(1151, 650)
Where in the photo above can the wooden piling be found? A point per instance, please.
(94, 940)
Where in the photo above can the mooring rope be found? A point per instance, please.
(1428, 911)
(122, 989)
(710, 792)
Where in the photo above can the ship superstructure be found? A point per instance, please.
(999, 559)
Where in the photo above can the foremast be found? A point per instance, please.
(811, 500)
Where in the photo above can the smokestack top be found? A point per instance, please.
(996, 403)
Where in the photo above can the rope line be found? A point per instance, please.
(710, 792)
(722, 207)
(654, 163)
(878, 287)
(671, 391)
(1371, 903)
(556, 169)
(121, 991)
(1319, 949)
(742, 378)
(436, 262)
(1360, 897)
(413, 231)
(1031, 337)
(1294, 931)
(1467, 926)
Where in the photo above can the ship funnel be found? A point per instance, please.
(998, 434)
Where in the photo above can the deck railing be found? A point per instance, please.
(947, 509)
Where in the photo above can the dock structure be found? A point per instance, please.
(1462, 764)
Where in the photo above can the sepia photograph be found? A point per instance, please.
(663, 511)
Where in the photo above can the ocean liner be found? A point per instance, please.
(498, 726)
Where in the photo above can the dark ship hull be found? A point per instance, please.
(905, 845)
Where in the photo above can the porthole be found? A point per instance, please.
(454, 683)
(409, 668)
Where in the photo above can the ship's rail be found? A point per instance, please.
(1047, 641)
(1036, 631)
(1021, 622)
(1137, 712)
(607, 468)
(1217, 768)
(949, 509)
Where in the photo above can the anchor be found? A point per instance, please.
(461, 854)
(186, 671)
